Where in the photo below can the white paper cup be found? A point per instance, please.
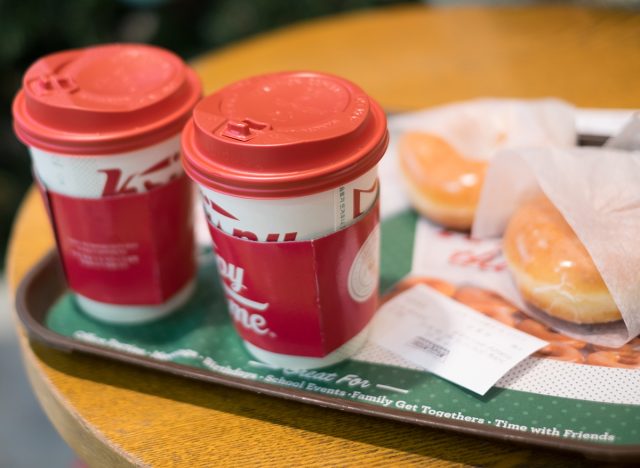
(94, 177)
(287, 168)
(103, 123)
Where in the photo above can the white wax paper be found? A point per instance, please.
(629, 137)
(481, 127)
(598, 193)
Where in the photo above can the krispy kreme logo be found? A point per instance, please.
(243, 233)
(119, 183)
(361, 201)
(244, 311)
(475, 253)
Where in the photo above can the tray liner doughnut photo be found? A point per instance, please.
(582, 408)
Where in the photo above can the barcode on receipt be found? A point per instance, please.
(429, 346)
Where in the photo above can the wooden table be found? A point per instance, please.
(407, 58)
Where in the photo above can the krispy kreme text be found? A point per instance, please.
(240, 306)
(119, 182)
(244, 233)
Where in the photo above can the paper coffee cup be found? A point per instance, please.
(103, 128)
(286, 164)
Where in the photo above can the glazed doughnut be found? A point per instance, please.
(544, 333)
(551, 267)
(561, 352)
(439, 285)
(443, 185)
(488, 303)
(626, 360)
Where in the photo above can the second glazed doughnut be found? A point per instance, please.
(551, 267)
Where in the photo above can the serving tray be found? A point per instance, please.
(198, 342)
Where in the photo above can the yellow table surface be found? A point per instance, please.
(407, 58)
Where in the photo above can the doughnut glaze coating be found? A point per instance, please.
(443, 185)
(552, 268)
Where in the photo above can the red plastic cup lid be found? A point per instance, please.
(284, 135)
(105, 99)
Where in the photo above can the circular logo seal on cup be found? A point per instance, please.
(363, 275)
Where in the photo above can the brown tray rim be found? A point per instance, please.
(49, 272)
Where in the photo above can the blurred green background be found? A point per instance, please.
(30, 29)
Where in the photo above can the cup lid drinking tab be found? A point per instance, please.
(104, 99)
(284, 134)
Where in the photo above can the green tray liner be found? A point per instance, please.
(201, 335)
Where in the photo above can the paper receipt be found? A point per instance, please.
(450, 339)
